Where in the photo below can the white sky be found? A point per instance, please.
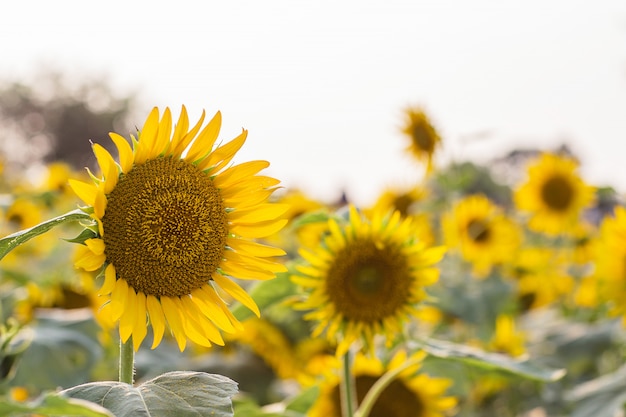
(321, 84)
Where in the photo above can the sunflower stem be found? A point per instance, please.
(348, 388)
(379, 386)
(127, 361)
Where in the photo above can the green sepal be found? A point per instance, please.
(86, 234)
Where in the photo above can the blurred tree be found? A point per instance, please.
(52, 119)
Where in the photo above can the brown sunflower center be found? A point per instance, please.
(478, 230)
(165, 227)
(403, 203)
(423, 138)
(395, 401)
(368, 282)
(558, 193)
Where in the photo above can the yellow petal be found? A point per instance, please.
(210, 309)
(129, 317)
(253, 248)
(174, 319)
(95, 245)
(162, 140)
(85, 191)
(147, 136)
(140, 329)
(236, 292)
(235, 269)
(157, 319)
(109, 280)
(100, 203)
(124, 151)
(207, 329)
(260, 213)
(249, 198)
(221, 156)
(87, 260)
(118, 299)
(108, 167)
(258, 230)
(239, 172)
(254, 262)
(187, 138)
(252, 184)
(181, 128)
(205, 140)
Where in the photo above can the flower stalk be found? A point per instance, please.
(348, 388)
(127, 361)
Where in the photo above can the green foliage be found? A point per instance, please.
(52, 404)
(8, 243)
(175, 394)
(63, 352)
(490, 361)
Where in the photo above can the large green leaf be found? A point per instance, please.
(173, 394)
(10, 242)
(63, 351)
(492, 361)
(600, 397)
(52, 404)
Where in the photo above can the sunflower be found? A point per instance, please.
(407, 201)
(366, 279)
(609, 276)
(424, 139)
(483, 234)
(542, 276)
(173, 221)
(506, 339)
(411, 394)
(554, 195)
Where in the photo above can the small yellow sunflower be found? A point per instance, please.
(542, 276)
(424, 139)
(406, 201)
(271, 344)
(610, 263)
(411, 394)
(173, 220)
(23, 213)
(506, 338)
(366, 279)
(554, 195)
(483, 234)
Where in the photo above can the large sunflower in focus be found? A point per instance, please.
(366, 278)
(173, 221)
(554, 195)
(411, 394)
(424, 139)
(482, 233)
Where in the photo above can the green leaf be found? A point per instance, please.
(600, 397)
(84, 235)
(63, 351)
(8, 243)
(175, 394)
(310, 218)
(302, 402)
(267, 293)
(491, 361)
(54, 404)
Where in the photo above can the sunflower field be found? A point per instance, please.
(173, 279)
